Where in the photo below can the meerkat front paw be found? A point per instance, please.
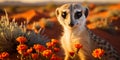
(66, 57)
(75, 57)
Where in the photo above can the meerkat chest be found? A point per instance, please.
(76, 39)
(69, 40)
(72, 38)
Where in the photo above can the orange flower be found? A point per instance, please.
(4, 54)
(54, 41)
(54, 57)
(21, 48)
(21, 39)
(20, 52)
(78, 46)
(39, 48)
(29, 50)
(47, 53)
(49, 44)
(34, 55)
(72, 53)
(56, 49)
(98, 53)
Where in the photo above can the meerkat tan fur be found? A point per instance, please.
(72, 17)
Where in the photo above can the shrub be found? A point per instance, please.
(100, 9)
(95, 19)
(9, 31)
(114, 13)
(107, 25)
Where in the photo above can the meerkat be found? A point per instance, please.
(72, 17)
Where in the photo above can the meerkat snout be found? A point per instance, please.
(71, 24)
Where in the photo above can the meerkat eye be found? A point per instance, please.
(78, 14)
(64, 14)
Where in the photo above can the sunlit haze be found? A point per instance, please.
(34, 1)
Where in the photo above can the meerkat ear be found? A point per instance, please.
(86, 12)
(57, 12)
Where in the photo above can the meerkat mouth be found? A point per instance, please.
(72, 27)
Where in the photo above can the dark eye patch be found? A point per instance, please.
(78, 14)
(64, 14)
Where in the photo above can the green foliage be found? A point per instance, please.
(114, 13)
(103, 24)
(106, 25)
(95, 19)
(49, 24)
(34, 38)
(100, 9)
(9, 31)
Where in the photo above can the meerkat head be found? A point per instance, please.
(72, 16)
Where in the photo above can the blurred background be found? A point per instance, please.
(46, 1)
(103, 19)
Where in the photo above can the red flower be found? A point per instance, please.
(34, 56)
(56, 49)
(78, 46)
(29, 50)
(39, 48)
(4, 54)
(21, 39)
(54, 57)
(21, 48)
(54, 41)
(98, 53)
(1, 56)
(47, 53)
(25, 54)
(72, 53)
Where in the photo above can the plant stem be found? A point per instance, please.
(21, 57)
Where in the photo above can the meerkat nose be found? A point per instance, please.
(71, 24)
